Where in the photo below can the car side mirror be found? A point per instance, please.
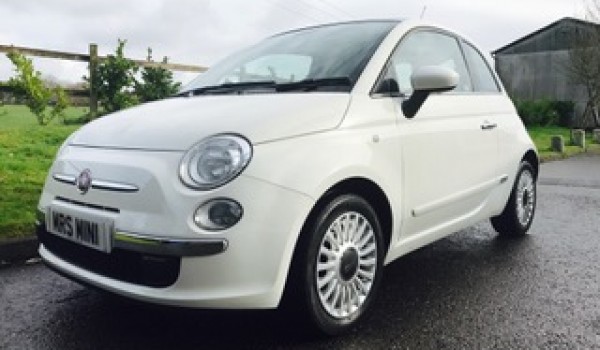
(426, 80)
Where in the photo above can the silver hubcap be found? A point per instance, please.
(346, 264)
(525, 197)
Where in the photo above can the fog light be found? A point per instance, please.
(218, 214)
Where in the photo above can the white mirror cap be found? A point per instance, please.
(434, 78)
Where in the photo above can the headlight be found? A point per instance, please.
(214, 161)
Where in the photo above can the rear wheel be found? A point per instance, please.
(518, 214)
(340, 264)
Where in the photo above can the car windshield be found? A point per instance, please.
(324, 58)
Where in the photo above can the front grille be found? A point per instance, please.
(88, 205)
(123, 265)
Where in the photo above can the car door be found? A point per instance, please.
(449, 147)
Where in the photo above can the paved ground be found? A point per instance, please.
(581, 171)
(471, 290)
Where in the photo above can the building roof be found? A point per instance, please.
(554, 36)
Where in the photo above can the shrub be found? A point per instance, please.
(114, 79)
(28, 84)
(156, 83)
(545, 112)
(566, 113)
(117, 87)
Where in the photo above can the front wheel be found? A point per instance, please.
(341, 264)
(518, 214)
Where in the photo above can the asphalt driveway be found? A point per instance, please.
(470, 290)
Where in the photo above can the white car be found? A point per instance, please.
(292, 171)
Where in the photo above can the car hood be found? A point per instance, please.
(178, 123)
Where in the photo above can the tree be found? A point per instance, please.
(583, 67)
(28, 84)
(156, 83)
(114, 81)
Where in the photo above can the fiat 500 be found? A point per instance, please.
(291, 173)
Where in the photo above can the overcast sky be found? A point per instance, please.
(203, 31)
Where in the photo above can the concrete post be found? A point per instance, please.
(578, 136)
(597, 135)
(558, 144)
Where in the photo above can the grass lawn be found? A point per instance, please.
(26, 153)
(542, 136)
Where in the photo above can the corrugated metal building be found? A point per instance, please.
(536, 66)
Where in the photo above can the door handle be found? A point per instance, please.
(488, 126)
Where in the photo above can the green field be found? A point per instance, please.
(542, 136)
(27, 151)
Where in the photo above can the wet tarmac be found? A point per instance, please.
(470, 290)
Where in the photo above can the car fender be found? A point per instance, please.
(313, 164)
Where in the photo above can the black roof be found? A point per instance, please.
(392, 21)
(573, 22)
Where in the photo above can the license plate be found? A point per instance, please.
(88, 229)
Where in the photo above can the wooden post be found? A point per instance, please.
(93, 59)
(92, 74)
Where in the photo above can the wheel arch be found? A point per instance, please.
(361, 186)
(364, 188)
(532, 157)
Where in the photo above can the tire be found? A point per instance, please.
(339, 265)
(518, 214)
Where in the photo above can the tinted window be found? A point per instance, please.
(482, 76)
(425, 48)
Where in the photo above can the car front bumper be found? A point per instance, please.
(157, 253)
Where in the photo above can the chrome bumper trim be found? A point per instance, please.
(165, 246)
(67, 179)
(168, 246)
(97, 184)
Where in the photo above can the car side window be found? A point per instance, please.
(427, 48)
(481, 73)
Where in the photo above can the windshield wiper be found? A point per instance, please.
(339, 83)
(313, 84)
(228, 87)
